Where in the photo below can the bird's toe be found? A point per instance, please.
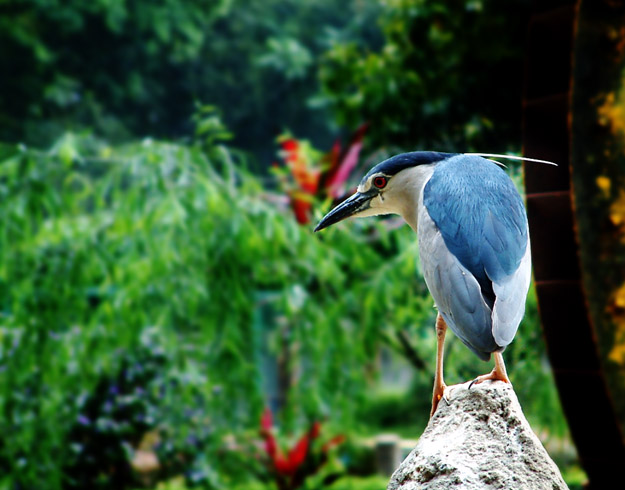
(492, 376)
(440, 393)
(447, 395)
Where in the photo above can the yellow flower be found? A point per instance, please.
(604, 183)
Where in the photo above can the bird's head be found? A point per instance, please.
(391, 187)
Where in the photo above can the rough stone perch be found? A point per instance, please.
(480, 440)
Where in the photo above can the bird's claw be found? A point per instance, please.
(492, 376)
(497, 374)
(439, 394)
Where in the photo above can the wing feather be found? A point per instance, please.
(455, 290)
(509, 308)
(474, 248)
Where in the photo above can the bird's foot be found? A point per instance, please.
(494, 375)
(440, 393)
(497, 374)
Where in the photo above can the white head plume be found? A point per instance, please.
(512, 157)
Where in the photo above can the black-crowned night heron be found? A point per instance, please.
(473, 244)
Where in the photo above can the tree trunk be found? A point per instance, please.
(574, 113)
(598, 179)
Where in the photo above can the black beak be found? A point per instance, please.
(354, 204)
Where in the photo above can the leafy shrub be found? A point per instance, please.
(139, 410)
(429, 85)
(99, 243)
(101, 246)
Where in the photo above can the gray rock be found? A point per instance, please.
(481, 439)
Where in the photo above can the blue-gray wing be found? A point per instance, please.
(480, 215)
(456, 292)
(510, 294)
(481, 219)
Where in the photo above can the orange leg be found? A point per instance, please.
(439, 382)
(497, 374)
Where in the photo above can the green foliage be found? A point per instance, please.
(350, 483)
(427, 74)
(449, 76)
(99, 244)
(83, 276)
(103, 62)
(138, 68)
(146, 397)
(152, 289)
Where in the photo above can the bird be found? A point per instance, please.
(473, 243)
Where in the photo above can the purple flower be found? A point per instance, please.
(192, 440)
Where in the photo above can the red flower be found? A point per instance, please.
(315, 430)
(298, 454)
(290, 470)
(266, 421)
(311, 176)
(335, 441)
(290, 145)
(343, 163)
(271, 447)
(301, 209)
(282, 465)
(288, 465)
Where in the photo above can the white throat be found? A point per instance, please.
(412, 182)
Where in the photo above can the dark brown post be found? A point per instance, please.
(579, 257)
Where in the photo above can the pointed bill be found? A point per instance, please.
(354, 204)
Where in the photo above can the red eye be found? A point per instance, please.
(379, 182)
